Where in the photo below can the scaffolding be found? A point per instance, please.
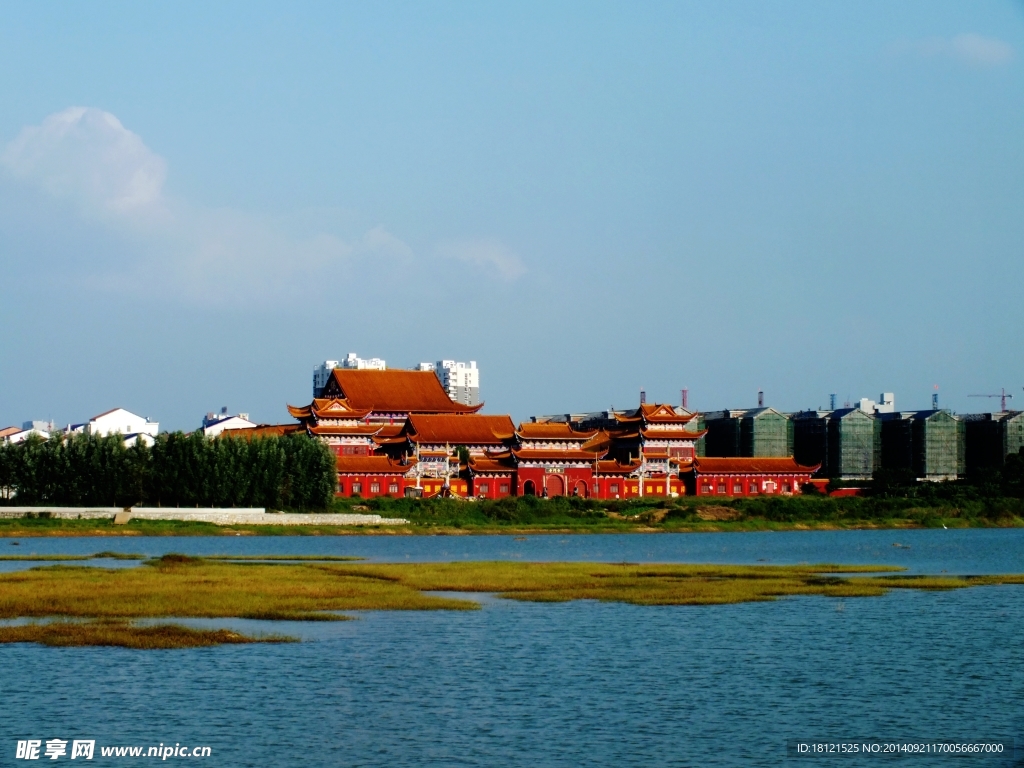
(760, 432)
(931, 444)
(846, 442)
(990, 438)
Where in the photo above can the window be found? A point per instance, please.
(661, 489)
(393, 488)
(503, 488)
(375, 487)
(357, 488)
(721, 488)
(613, 488)
(484, 488)
(341, 487)
(785, 488)
(753, 487)
(705, 488)
(737, 488)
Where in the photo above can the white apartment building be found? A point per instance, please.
(460, 380)
(887, 404)
(215, 423)
(323, 371)
(119, 422)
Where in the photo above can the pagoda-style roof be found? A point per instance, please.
(490, 463)
(328, 408)
(672, 434)
(706, 465)
(263, 430)
(372, 465)
(356, 430)
(599, 443)
(653, 414)
(552, 430)
(393, 391)
(611, 467)
(459, 429)
(534, 454)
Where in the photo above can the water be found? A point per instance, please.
(969, 551)
(519, 684)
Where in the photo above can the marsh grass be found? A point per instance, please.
(180, 585)
(288, 558)
(127, 635)
(66, 558)
(317, 590)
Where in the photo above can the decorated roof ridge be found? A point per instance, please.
(615, 467)
(389, 440)
(503, 464)
(327, 408)
(552, 431)
(368, 430)
(740, 464)
(539, 454)
(503, 454)
(394, 391)
(654, 412)
(372, 464)
(678, 434)
(664, 412)
(599, 442)
(459, 429)
(262, 430)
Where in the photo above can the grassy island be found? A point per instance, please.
(96, 605)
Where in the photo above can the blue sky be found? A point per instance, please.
(200, 202)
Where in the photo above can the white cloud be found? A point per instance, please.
(968, 48)
(86, 155)
(487, 254)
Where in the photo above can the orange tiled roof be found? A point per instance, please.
(263, 430)
(9, 431)
(372, 465)
(479, 464)
(663, 413)
(460, 429)
(673, 434)
(615, 468)
(654, 413)
(552, 430)
(534, 454)
(354, 429)
(738, 465)
(396, 391)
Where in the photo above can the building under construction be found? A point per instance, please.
(991, 437)
(930, 443)
(758, 432)
(845, 442)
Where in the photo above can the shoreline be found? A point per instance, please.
(56, 528)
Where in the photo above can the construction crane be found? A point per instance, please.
(1003, 394)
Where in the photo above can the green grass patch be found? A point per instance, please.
(195, 587)
(287, 558)
(65, 558)
(124, 634)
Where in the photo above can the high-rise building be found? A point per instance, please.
(460, 380)
(323, 371)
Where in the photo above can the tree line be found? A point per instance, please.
(291, 472)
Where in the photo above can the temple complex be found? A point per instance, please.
(398, 433)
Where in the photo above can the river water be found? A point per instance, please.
(520, 684)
